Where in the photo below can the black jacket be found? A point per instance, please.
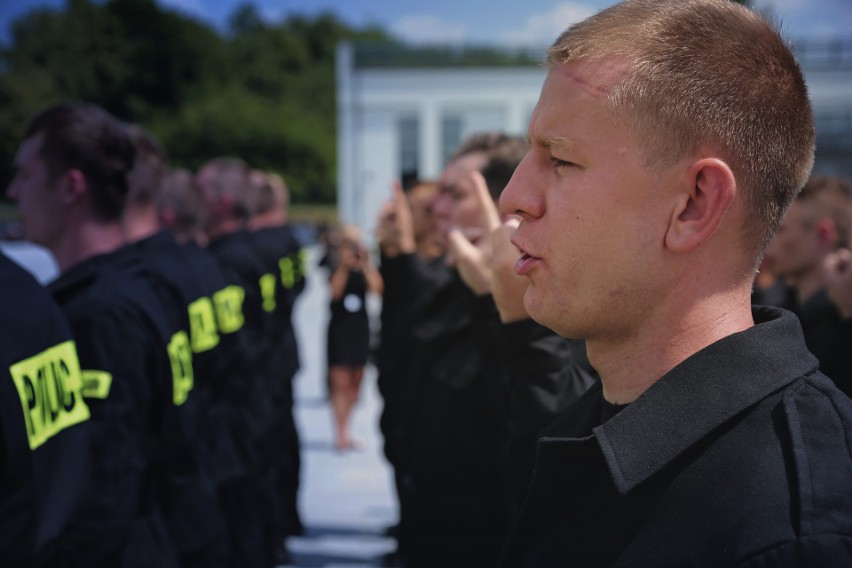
(739, 456)
(828, 336)
(191, 278)
(409, 284)
(545, 373)
(122, 335)
(243, 270)
(44, 422)
(283, 280)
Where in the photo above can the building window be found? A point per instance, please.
(834, 130)
(408, 129)
(452, 128)
(458, 124)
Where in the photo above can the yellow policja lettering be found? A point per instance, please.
(229, 308)
(49, 386)
(202, 325)
(180, 356)
(288, 272)
(267, 290)
(96, 383)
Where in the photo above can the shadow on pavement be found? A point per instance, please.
(318, 446)
(324, 531)
(314, 560)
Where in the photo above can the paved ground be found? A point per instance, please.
(346, 499)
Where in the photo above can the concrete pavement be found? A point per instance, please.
(346, 499)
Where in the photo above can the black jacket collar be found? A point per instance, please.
(696, 397)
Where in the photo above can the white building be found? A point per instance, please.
(402, 111)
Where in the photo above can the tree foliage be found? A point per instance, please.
(260, 91)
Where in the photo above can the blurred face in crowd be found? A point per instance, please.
(421, 199)
(456, 206)
(205, 182)
(801, 242)
(37, 194)
(593, 214)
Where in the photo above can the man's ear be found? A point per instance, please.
(701, 206)
(826, 232)
(166, 218)
(75, 187)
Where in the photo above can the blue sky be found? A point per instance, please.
(513, 22)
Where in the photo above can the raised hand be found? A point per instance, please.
(469, 248)
(396, 226)
(507, 286)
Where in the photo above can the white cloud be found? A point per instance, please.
(542, 29)
(425, 28)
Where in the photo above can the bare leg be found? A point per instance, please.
(340, 381)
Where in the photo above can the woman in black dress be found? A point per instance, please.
(352, 277)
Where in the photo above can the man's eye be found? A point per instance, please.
(557, 163)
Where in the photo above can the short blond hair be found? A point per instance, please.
(711, 74)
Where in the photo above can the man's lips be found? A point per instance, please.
(526, 262)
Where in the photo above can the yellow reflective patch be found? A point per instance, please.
(49, 385)
(180, 356)
(288, 272)
(293, 268)
(229, 308)
(302, 263)
(202, 325)
(267, 289)
(96, 384)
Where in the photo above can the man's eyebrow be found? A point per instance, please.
(549, 142)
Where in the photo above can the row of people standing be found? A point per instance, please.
(805, 270)
(174, 444)
(459, 428)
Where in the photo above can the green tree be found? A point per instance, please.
(263, 91)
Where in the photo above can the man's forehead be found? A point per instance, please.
(462, 167)
(30, 147)
(595, 76)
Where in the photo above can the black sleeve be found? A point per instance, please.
(121, 399)
(542, 377)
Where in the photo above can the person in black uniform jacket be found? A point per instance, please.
(352, 276)
(411, 257)
(229, 200)
(712, 438)
(816, 225)
(284, 279)
(455, 473)
(189, 280)
(221, 354)
(71, 187)
(44, 432)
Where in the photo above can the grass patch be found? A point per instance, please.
(312, 214)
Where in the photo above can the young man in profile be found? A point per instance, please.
(71, 189)
(668, 141)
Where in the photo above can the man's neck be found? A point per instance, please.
(628, 367)
(140, 222)
(90, 239)
(272, 218)
(225, 227)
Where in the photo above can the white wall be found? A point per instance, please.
(371, 101)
